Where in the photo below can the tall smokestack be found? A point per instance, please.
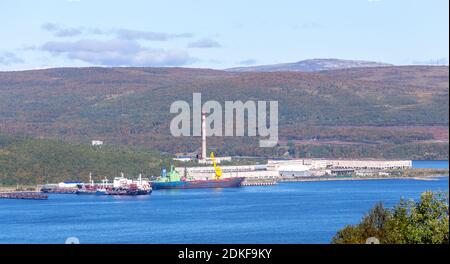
(203, 135)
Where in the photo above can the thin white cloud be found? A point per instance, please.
(62, 31)
(204, 44)
(116, 53)
(122, 33)
(148, 35)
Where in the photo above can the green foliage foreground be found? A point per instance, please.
(409, 222)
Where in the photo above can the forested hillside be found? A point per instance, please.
(38, 161)
(393, 112)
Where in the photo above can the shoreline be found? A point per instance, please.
(418, 178)
(412, 174)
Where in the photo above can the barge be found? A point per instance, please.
(24, 195)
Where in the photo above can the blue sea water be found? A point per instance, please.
(430, 164)
(304, 212)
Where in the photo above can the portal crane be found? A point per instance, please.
(217, 169)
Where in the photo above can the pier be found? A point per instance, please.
(24, 195)
(258, 182)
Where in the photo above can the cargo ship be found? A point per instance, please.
(173, 180)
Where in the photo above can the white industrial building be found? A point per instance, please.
(371, 164)
(68, 184)
(315, 164)
(296, 168)
(282, 168)
(294, 171)
(248, 171)
(217, 159)
(96, 143)
(183, 158)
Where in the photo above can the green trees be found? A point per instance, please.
(409, 222)
(37, 161)
(387, 112)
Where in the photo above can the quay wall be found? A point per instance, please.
(295, 167)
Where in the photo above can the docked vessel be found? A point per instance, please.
(90, 188)
(124, 186)
(191, 184)
(120, 186)
(173, 180)
(128, 191)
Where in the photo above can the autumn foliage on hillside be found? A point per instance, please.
(373, 112)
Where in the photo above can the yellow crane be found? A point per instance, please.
(217, 169)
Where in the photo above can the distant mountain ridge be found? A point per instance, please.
(312, 65)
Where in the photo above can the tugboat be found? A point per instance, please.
(173, 180)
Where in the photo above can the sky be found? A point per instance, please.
(219, 34)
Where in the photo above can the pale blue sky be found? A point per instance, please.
(219, 34)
